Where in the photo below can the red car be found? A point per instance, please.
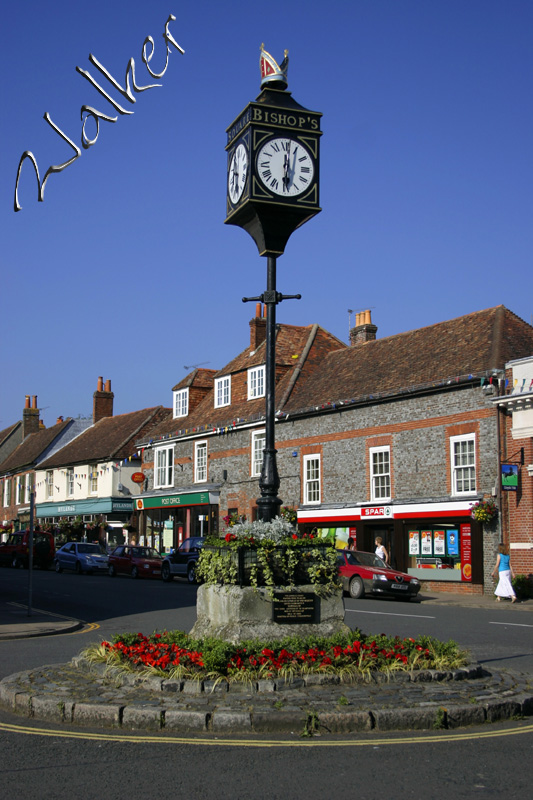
(136, 561)
(365, 573)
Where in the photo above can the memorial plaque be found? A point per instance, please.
(292, 608)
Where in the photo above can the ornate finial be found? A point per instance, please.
(272, 72)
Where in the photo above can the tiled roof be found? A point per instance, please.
(202, 378)
(299, 350)
(6, 433)
(33, 446)
(474, 344)
(111, 437)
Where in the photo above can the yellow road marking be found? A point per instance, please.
(422, 738)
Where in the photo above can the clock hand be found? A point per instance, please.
(286, 168)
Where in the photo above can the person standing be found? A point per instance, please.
(381, 551)
(505, 574)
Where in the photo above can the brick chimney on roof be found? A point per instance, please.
(258, 327)
(103, 400)
(364, 330)
(30, 417)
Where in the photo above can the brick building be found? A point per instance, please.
(395, 437)
(516, 455)
(91, 476)
(17, 471)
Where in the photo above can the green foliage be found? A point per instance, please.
(523, 586)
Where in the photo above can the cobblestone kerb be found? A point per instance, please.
(86, 695)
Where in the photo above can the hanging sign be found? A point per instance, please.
(138, 477)
(510, 477)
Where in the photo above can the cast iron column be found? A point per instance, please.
(269, 503)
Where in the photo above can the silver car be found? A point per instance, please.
(81, 557)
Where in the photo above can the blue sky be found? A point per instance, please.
(126, 269)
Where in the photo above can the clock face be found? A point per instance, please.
(285, 167)
(238, 172)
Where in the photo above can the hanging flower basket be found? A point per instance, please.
(484, 511)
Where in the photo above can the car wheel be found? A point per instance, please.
(58, 567)
(191, 573)
(356, 588)
(111, 571)
(134, 572)
(78, 568)
(166, 574)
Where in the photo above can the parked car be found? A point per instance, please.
(81, 557)
(15, 551)
(365, 573)
(183, 560)
(136, 561)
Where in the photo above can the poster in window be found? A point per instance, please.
(427, 543)
(510, 477)
(453, 542)
(414, 543)
(439, 543)
(466, 552)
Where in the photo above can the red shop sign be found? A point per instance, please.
(138, 477)
(466, 552)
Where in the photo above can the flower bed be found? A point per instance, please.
(267, 554)
(351, 656)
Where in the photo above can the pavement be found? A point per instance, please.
(85, 695)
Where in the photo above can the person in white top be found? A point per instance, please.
(381, 552)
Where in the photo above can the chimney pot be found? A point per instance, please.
(34, 401)
(257, 310)
(27, 401)
(59, 419)
(107, 385)
(364, 331)
(100, 385)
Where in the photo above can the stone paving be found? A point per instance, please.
(86, 695)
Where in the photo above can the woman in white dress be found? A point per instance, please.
(505, 574)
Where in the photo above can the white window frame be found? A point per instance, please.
(49, 483)
(380, 474)
(256, 382)
(93, 479)
(30, 485)
(223, 391)
(200, 461)
(181, 403)
(164, 467)
(21, 489)
(7, 491)
(257, 452)
(311, 479)
(70, 482)
(465, 472)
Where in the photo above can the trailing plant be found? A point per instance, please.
(484, 510)
(268, 554)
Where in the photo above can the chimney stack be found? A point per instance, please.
(30, 417)
(364, 330)
(257, 328)
(102, 400)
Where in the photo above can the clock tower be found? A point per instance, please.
(273, 162)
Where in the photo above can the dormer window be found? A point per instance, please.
(181, 403)
(223, 391)
(256, 382)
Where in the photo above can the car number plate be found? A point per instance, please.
(399, 586)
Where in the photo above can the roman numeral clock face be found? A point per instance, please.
(285, 167)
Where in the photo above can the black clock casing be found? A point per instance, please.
(263, 209)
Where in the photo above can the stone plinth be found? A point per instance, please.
(234, 614)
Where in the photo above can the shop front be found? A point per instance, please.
(436, 542)
(165, 520)
(111, 515)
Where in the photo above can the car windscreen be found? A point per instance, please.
(365, 560)
(145, 552)
(88, 548)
